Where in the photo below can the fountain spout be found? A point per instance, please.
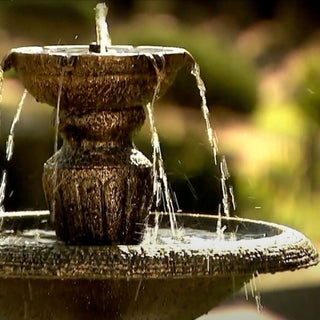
(103, 38)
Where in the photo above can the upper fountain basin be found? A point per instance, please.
(125, 76)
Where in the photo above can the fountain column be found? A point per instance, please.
(98, 186)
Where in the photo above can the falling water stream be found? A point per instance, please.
(160, 186)
(160, 181)
(56, 140)
(206, 114)
(255, 292)
(10, 141)
(227, 191)
(3, 189)
(1, 83)
(9, 148)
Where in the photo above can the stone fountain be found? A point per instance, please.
(100, 100)
(87, 259)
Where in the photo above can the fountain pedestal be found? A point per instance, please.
(98, 186)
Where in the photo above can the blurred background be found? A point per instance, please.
(261, 66)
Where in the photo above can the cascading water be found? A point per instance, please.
(3, 189)
(56, 139)
(10, 141)
(206, 114)
(161, 189)
(160, 178)
(9, 148)
(227, 191)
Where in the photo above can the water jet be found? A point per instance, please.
(92, 255)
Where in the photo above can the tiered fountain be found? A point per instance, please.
(88, 259)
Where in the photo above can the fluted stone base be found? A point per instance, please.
(99, 204)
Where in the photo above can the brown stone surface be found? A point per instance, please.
(275, 248)
(98, 187)
(95, 81)
(146, 299)
(42, 278)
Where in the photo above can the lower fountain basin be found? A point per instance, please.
(42, 278)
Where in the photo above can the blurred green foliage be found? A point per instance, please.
(307, 90)
(230, 77)
(285, 185)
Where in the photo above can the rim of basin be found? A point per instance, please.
(279, 249)
(115, 50)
